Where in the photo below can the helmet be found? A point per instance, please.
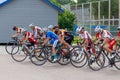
(31, 25)
(118, 28)
(24, 30)
(50, 27)
(45, 29)
(56, 26)
(98, 29)
(14, 28)
(79, 29)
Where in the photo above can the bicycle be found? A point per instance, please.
(79, 58)
(96, 62)
(117, 51)
(111, 61)
(12, 44)
(29, 49)
(62, 54)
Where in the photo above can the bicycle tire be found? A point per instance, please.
(118, 53)
(10, 45)
(96, 64)
(39, 58)
(117, 64)
(64, 58)
(19, 56)
(78, 59)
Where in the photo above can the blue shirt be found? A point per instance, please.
(51, 35)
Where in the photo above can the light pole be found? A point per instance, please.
(109, 2)
(76, 8)
(99, 12)
(90, 17)
(119, 13)
(83, 13)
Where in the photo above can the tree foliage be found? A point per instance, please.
(56, 2)
(66, 20)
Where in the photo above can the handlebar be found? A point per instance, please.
(15, 38)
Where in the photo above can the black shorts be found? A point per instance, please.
(69, 39)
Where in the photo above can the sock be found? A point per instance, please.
(55, 56)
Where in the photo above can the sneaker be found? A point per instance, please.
(55, 59)
(112, 55)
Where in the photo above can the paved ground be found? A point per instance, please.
(11, 70)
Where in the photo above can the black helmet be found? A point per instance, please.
(14, 28)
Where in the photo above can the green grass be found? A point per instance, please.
(77, 39)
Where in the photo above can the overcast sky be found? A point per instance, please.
(2, 1)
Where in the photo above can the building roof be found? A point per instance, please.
(4, 2)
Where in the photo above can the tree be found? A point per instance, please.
(62, 2)
(56, 2)
(66, 20)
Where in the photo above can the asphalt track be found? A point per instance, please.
(11, 70)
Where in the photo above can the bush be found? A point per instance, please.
(66, 20)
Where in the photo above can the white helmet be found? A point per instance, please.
(50, 27)
(31, 25)
(97, 29)
(24, 30)
(45, 29)
(79, 29)
(118, 28)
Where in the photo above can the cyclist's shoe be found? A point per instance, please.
(55, 60)
(113, 55)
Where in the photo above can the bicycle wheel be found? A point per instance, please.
(96, 63)
(10, 45)
(38, 57)
(78, 58)
(64, 57)
(118, 53)
(50, 56)
(117, 63)
(20, 56)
